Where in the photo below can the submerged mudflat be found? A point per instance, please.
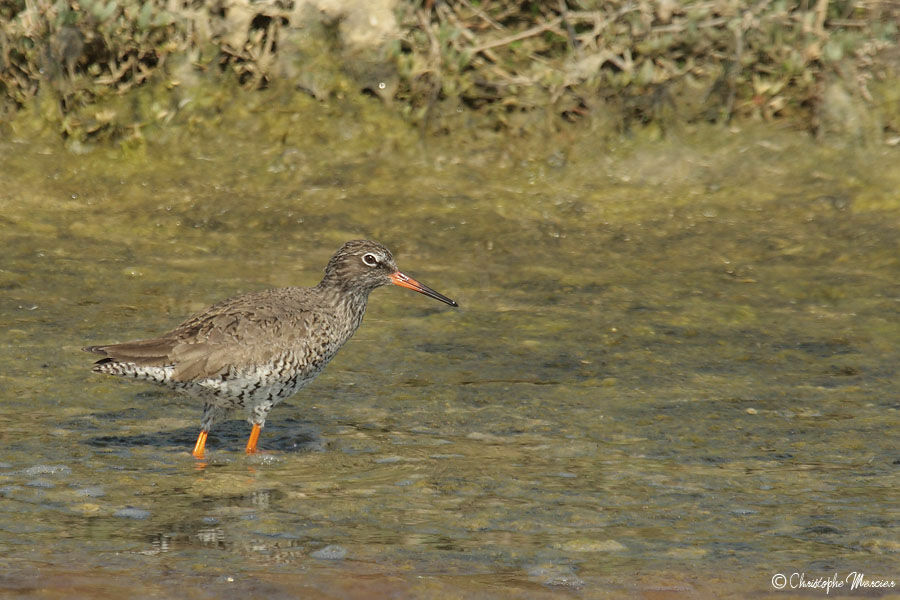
(674, 368)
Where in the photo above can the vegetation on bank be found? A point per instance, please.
(512, 64)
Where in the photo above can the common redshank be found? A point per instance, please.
(255, 350)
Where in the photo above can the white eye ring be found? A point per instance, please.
(370, 259)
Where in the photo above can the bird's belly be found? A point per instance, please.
(250, 388)
(253, 385)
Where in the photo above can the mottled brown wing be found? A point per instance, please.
(245, 337)
(193, 360)
(242, 332)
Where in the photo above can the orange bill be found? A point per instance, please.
(398, 278)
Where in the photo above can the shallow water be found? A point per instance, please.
(673, 372)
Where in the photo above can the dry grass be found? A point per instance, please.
(512, 62)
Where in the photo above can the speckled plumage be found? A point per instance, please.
(255, 350)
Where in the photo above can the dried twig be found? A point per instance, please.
(466, 33)
(821, 13)
(537, 30)
(570, 31)
(483, 15)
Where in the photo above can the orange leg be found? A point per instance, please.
(200, 445)
(254, 437)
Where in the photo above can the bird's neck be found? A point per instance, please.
(346, 299)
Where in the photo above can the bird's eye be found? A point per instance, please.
(370, 259)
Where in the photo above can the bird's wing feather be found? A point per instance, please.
(141, 352)
(242, 331)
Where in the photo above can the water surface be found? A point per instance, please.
(673, 372)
